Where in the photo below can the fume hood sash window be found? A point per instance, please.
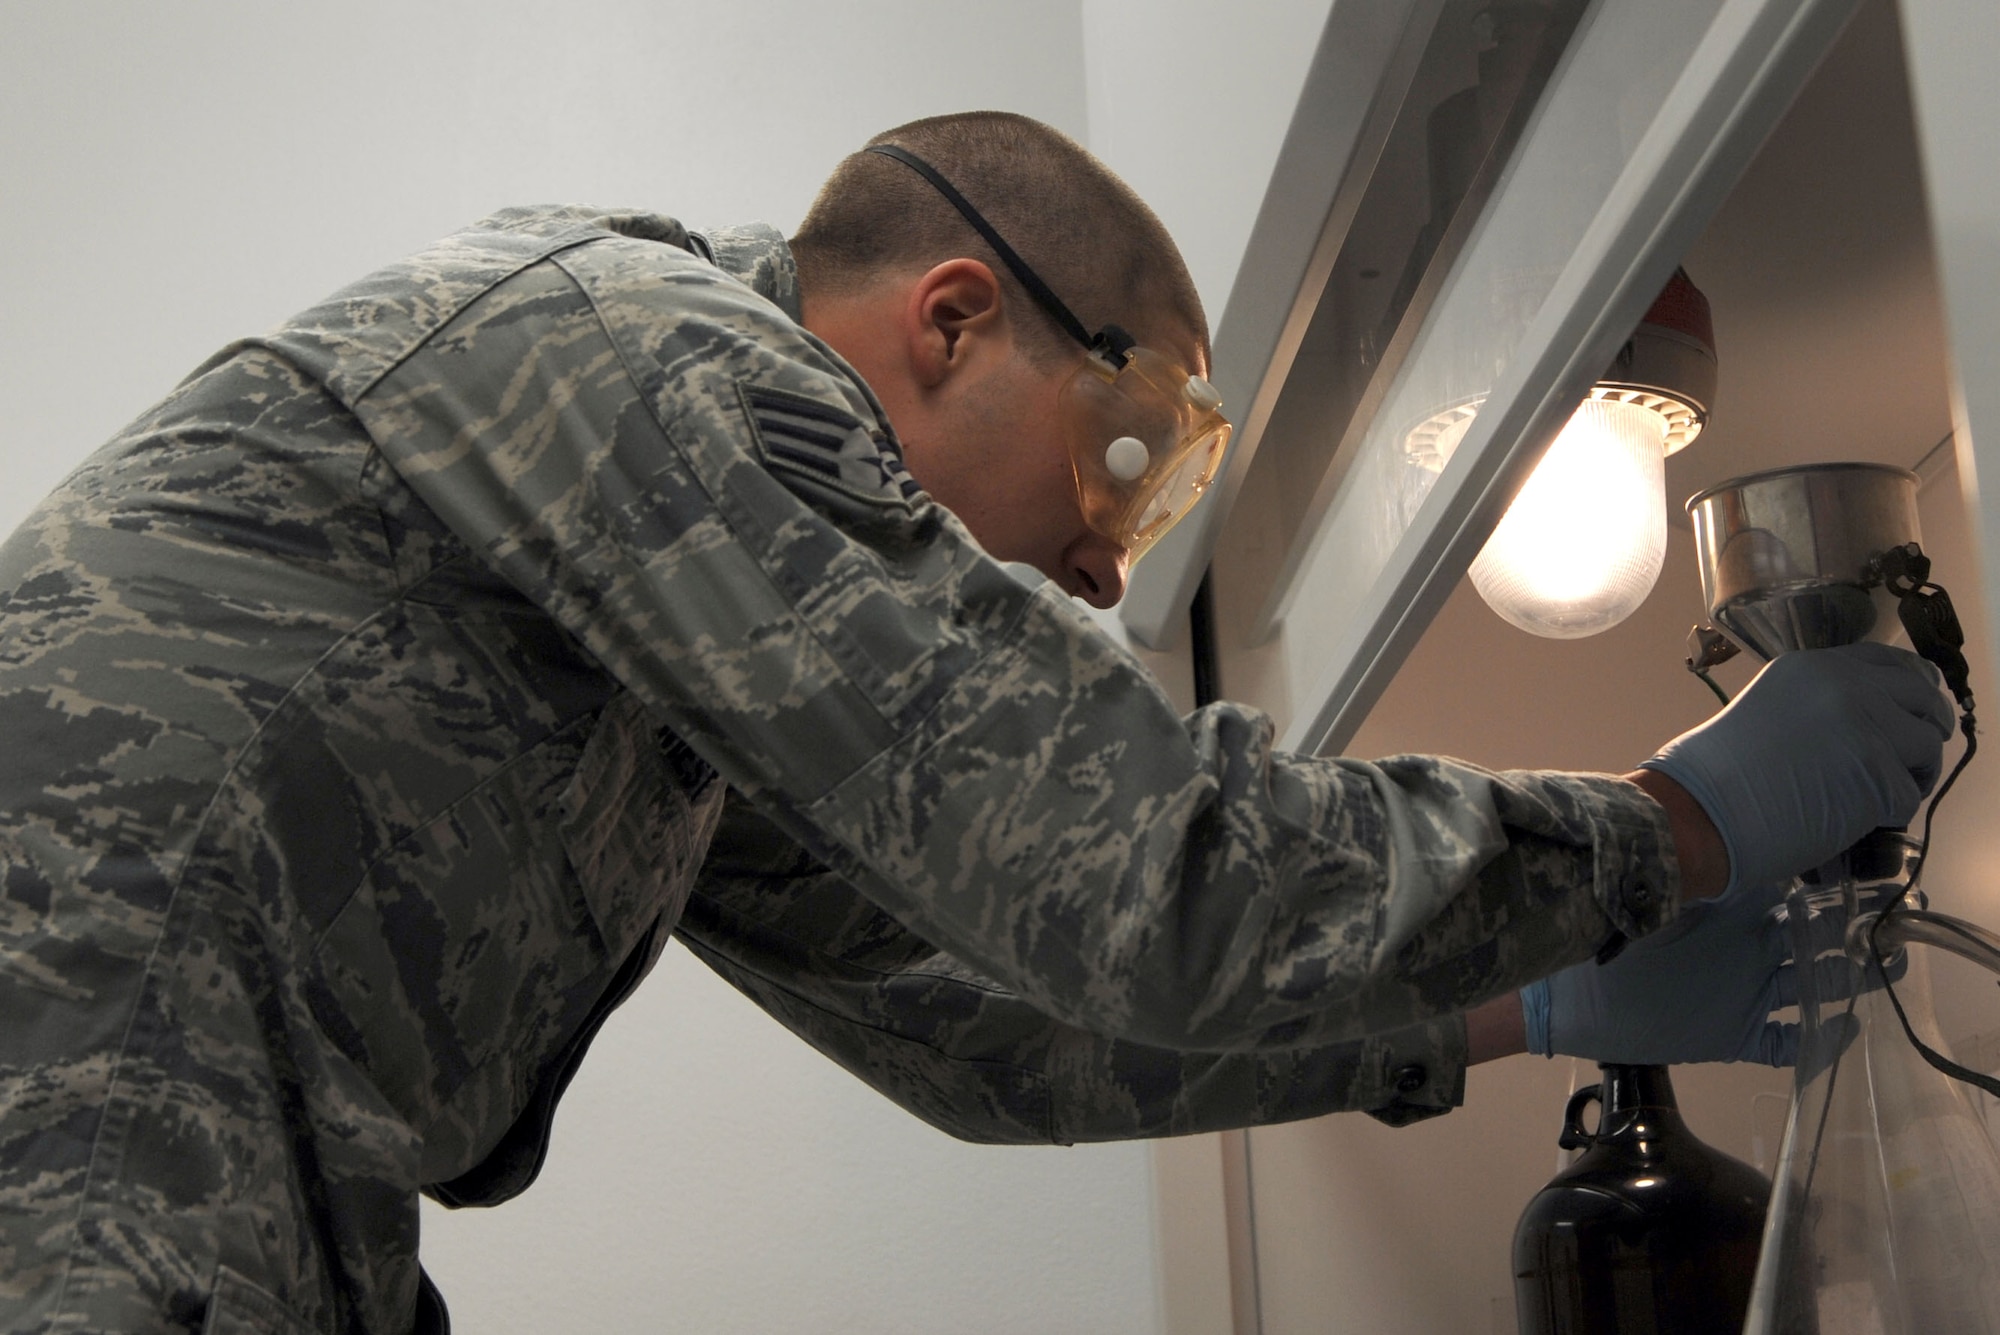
(1646, 116)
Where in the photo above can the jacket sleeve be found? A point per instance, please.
(712, 503)
(976, 1061)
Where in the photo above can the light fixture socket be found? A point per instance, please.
(1668, 364)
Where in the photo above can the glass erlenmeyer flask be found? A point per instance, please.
(1885, 1214)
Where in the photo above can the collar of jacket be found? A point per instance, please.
(756, 255)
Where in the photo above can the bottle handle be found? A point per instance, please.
(1574, 1137)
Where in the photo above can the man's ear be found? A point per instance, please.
(954, 313)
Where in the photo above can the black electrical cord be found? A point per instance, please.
(1881, 962)
(1932, 624)
(1928, 616)
(1969, 726)
(1709, 682)
(1937, 1059)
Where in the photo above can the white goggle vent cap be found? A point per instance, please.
(1127, 458)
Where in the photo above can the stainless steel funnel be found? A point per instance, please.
(1786, 556)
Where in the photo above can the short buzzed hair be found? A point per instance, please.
(1084, 231)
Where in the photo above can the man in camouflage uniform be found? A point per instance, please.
(379, 703)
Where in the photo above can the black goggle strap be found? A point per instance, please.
(1111, 342)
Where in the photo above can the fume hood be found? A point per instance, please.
(1475, 205)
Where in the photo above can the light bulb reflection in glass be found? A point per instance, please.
(1582, 545)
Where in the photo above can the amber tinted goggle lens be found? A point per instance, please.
(1180, 486)
(1145, 440)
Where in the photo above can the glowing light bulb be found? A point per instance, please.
(1582, 545)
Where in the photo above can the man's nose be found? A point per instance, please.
(1096, 569)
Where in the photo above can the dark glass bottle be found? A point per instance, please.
(1649, 1232)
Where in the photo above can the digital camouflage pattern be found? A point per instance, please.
(972, 1058)
(370, 705)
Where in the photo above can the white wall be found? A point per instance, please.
(1950, 46)
(177, 175)
(1189, 101)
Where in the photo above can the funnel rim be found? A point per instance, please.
(1737, 483)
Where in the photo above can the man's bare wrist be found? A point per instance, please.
(1496, 1029)
(1698, 846)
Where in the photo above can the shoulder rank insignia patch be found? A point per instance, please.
(825, 446)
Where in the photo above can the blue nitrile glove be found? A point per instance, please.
(1822, 747)
(1700, 990)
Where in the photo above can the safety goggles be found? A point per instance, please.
(1145, 437)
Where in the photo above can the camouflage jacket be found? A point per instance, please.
(371, 705)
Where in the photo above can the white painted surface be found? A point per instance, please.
(1189, 101)
(1952, 46)
(1365, 53)
(1191, 1200)
(712, 1174)
(176, 176)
